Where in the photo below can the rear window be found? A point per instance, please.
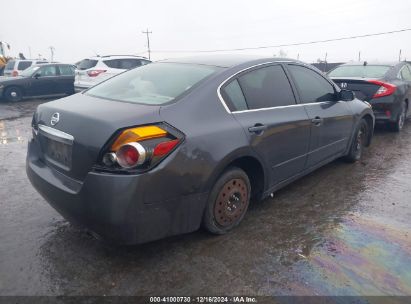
(153, 84)
(23, 65)
(368, 71)
(86, 64)
(10, 65)
(125, 64)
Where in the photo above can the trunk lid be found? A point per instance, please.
(362, 88)
(91, 122)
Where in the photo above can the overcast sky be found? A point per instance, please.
(79, 29)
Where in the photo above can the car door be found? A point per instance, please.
(331, 119)
(263, 102)
(44, 81)
(65, 79)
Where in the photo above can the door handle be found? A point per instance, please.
(317, 121)
(257, 129)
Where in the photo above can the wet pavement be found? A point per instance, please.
(342, 230)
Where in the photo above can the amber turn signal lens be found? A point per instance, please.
(137, 134)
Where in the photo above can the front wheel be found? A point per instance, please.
(228, 201)
(13, 94)
(357, 146)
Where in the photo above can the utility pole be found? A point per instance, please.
(359, 56)
(52, 53)
(148, 42)
(399, 56)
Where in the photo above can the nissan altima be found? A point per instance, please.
(168, 147)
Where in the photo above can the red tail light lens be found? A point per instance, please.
(385, 89)
(94, 73)
(15, 73)
(131, 155)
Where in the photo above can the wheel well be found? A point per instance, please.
(255, 172)
(370, 124)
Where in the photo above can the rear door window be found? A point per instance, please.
(405, 73)
(266, 87)
(66, 70)
(23, 65)
(312, 87)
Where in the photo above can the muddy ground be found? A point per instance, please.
(342, 230)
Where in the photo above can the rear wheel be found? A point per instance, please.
(399, 123)
(358, 143)
(13, 94)
(228, 201)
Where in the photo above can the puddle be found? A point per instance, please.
(363, 256)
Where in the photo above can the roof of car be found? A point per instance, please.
(225, 61)
(382, 63)
(98, 57)
(52, 63)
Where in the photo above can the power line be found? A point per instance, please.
(282, 45)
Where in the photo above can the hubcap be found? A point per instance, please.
(231, 203)
(13, 94)
(401, 120)
(359, 142)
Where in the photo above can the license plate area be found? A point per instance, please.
(58, 153)
(56, 146)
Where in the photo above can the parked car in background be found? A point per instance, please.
(91, 71)
(386, 86)
(15, 66)
(45, 80)
(160, 149)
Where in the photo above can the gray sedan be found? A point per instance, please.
(162, 149)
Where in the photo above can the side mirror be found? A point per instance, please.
(346, 95)
(37, 75)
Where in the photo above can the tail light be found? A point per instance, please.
(385, 89)
(94, 73)
(141, 148)
(15, 73)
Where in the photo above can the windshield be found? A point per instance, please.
(152, 84)
(29, 71)
(368, 71)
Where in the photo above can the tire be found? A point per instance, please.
(228, 201)
(359, 141)
(399, 123)
(13, 94)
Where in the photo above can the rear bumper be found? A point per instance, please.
(80, 88)
(113, 206)
(386, 109)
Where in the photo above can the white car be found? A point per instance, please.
(15, 66)
(93, 70)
